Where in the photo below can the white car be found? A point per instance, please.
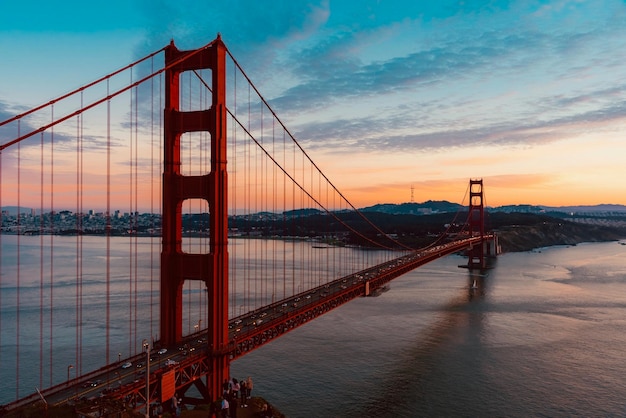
(127, 365)
(162, 351)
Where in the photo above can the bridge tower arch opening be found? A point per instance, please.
(177, 265)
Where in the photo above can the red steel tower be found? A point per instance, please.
(176, 265)
(476, 220)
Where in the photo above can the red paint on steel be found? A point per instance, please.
(476, 221)
(177, 266)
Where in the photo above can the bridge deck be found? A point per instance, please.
(188, 360)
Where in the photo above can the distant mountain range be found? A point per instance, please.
(443, 206)
(587, 209)
(435, 206)
(425, 208)
(13, 210)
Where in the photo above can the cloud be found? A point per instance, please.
(8, 130)
(371, 134)
(245, 26)
(519, 181)
(63, 136)
(330, 72)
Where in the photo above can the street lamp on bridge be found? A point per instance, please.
(146, 345)
(70, 367)
(68, 371)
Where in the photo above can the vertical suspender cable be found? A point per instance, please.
(328, 237)
(17, 285)
(130, 338)
(293, 224)
(201, 140)
(82, 218)
(108, 231)
(1, 255)
(259, 206)
(257, 201)
(247, 204)
(202, 166)
(335, 236)
(77, 258)
(302, 244)
(161, 139)
(310, 247)
(151, 195)
(256, 190)
(41, 257)
(233, 192)
(284, 226)
(51, 246)
(336, 232)
(203, 206)
(160, 170)
(136, 217)
(266, 207)
(274, 197)
(79, 239)
(189, 172)
(207, 169)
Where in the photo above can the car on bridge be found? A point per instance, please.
(127, 365)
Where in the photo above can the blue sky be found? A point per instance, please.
(528, 95)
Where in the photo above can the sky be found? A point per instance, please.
(394, 100)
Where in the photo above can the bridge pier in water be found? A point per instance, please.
(176, 265)
(476, 222)
(488, 246)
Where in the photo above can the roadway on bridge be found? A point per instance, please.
(127, 375)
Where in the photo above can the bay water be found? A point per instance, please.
(541, 333)
(544, 334)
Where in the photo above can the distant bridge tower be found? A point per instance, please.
(476, 221)
(176, 265)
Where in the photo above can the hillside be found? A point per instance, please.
(523, 231)
(428, 207)
(517, 231)
(520, 227)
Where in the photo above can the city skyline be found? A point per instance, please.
(394, 100)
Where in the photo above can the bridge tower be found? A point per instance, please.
(176, 265)
(476, 221)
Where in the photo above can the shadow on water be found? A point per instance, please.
(417, 384)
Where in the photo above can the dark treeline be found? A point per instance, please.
(517, 231)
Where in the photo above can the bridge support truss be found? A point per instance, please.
(177, 266)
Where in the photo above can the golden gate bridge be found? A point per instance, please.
(151, 237)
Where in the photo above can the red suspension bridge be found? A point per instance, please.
(189, 161)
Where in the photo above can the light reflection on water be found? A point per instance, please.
(542, 336)
(48, 285)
